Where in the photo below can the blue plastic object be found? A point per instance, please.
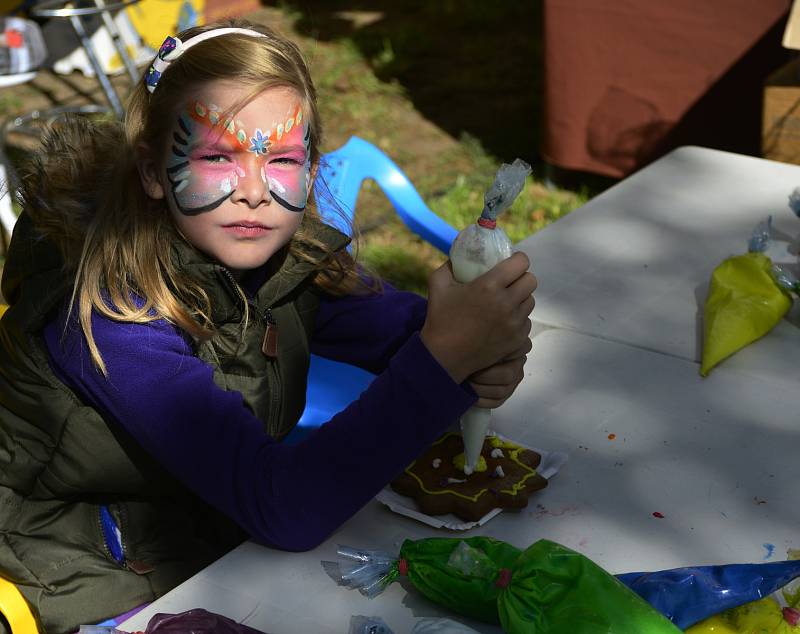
(340, 175)
(688, 595)
(333, 385)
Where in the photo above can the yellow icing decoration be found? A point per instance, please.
(459, 461)
(512, 454)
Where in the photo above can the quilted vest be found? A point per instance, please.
(60, 461)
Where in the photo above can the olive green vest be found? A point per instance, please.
(60, 461)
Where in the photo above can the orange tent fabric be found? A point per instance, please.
(627, 81)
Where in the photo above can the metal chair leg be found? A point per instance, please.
(116, 39)
(105, 82)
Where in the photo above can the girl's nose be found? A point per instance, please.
(252, 187)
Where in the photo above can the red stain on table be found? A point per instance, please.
(612, 436)
(658, 515)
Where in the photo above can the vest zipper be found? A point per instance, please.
(269, 344)
(112, 536)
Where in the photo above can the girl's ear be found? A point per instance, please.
(148, 173)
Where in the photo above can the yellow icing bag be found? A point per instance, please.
(764, 616)
(744, 303)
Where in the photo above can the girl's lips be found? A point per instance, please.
(247, 229)
(246, 223)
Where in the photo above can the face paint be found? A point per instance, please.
(287, 167)
(201, 165)
(205, 163)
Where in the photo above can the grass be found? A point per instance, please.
(449, 109)
(413, 79)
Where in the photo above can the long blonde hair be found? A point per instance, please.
(125, 241)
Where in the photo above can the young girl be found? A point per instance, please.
(166, 284)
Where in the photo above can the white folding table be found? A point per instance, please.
(634, 263)
(666, 468)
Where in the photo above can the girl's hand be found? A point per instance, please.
(470, 327)
(497, 383)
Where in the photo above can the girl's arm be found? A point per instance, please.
(292, 497)
(366, 330)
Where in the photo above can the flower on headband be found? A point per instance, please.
(173, 48)
(169, 45)
(151, 78)
(170, 50)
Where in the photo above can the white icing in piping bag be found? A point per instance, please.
(476, 249)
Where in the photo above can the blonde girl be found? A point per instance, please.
(167, 282)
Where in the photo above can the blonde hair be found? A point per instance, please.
(121, 245)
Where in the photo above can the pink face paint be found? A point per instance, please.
(204, 164)
(287, 165)
(201, 166)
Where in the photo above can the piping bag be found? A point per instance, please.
(476, 249)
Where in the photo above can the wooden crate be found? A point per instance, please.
(780, 130)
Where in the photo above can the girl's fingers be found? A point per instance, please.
(488, 403)
(523, 287)
(506, 272)
(527, 306)
(522, 351)
(505, 373)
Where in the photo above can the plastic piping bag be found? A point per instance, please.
(476, 249)
(689, 595)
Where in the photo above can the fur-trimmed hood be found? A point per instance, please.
(62, 185)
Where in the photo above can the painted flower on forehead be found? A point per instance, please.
(260, 142)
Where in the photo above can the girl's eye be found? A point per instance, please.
(286, 160)
(214, 158)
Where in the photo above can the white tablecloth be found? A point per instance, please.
(666, 469)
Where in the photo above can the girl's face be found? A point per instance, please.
(237, 184)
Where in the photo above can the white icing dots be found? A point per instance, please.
(499, 473)
(454, 481)
(497, 453)
(437, 462)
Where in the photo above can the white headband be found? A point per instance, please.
(173, 48)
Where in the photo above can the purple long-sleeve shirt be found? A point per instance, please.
(292, 497)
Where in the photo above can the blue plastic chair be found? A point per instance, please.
(333, 385)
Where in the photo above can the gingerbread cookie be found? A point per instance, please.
(504, 478)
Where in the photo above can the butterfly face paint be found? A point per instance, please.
(208, 157)
(287, 166)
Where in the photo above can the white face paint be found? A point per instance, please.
(235, 189)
